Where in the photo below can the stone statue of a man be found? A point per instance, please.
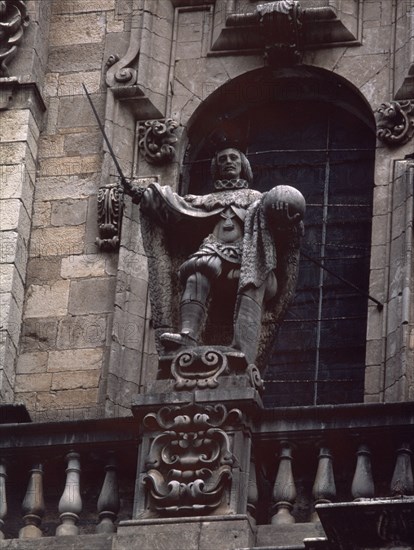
(235, 239)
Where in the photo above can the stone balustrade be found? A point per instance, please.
(314, 456)
(77, 478)
(66, 478)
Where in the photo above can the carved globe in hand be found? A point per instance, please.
(284, 205)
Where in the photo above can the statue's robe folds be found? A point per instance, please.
(174, 227)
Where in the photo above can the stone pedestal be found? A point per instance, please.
(195, 452)
(194, 472)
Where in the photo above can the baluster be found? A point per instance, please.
(33, 505)
(70, 504)
(402, 479)
(362, 483)
(3, 498)
(108, 501)
(284, 490)
(252, 492)
(324, 489)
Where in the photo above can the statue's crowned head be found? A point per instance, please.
(230, 164)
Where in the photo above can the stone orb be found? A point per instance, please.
(284, 198)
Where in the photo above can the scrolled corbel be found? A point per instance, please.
(157, 140)
(395, 122)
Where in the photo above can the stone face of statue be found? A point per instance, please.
(229, 163)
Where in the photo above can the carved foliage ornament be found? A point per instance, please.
(395, 122)
(110, 208)
(13, 20)
(157, 140)
(189, 464)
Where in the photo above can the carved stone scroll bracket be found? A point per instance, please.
(204, 367)
(395, 122)
(123, 76)
(157, 139)
(110, 209)
(13, 21)
(190, 459)
(120, 71)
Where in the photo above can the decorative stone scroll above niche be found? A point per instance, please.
(395, 122)
(128, 75)
(13, 21)
(157, 139)
(287, 26)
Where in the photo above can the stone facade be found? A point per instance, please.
(73, 296)
(77, 341)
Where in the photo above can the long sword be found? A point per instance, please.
(136, 191)
(124, 182)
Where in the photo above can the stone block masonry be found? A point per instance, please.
(52, 274)
(18, 134)
(70, 285)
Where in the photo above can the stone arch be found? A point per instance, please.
(312, 129)
(266, 86)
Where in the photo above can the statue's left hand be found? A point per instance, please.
(284, 207)
(283, 215)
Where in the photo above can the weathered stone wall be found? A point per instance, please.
(21, 119)
(80, 308)
(70, 284)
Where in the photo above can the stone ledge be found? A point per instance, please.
(369, 523)
(231, 397)
(287, 536)
(195, 533)
(81, 542)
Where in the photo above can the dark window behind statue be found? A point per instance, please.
(328, 154)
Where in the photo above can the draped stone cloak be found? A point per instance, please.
(174, 227)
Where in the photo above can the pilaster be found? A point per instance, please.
(21, 116)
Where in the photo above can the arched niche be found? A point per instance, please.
(311, 129)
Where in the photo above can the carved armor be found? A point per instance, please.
(233, 237)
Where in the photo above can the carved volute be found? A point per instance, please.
(395, 122)
(157, 139)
